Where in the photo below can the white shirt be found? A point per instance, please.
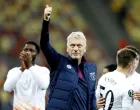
(117, 84)
(29, 87)
(134, 79)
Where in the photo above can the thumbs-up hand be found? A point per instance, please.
(47, 13)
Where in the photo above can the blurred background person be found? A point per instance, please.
(109, 68)
(29, 81)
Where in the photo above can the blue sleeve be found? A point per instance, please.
(49, 52)
(93, 99)
(93, 107)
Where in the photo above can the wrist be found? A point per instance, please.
(22, 69)
(29, 66)
(46, 18)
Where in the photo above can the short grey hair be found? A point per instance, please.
(77, 35)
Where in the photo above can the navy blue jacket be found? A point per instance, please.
(64, 76)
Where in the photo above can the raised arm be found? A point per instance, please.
(41, 76)
(12, 78)
(51, 55)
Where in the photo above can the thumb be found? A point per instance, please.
(47, 6)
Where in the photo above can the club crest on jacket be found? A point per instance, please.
(92, 75)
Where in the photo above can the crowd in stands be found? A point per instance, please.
(128, 12)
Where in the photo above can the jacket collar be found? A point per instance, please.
(75, 61)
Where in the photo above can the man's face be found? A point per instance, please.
(76, 47)
(30, 50)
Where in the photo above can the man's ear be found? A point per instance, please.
(130, 64)
(85, 49)
(67, 49)
(36, 54)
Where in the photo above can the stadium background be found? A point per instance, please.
(108, 25)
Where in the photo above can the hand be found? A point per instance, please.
(47, 13)
(23, 66)
(26, 59)
(100, 102)
(136, 95)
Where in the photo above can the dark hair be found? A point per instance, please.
(135, 49)
(33, 43)
(111, 67)
(125, 56)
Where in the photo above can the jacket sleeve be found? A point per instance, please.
(49, 52)
(12, 77)
(93, 107)
(93, 99)
(41, 76)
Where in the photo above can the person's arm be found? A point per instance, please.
(93, 100)
(12, 78)
(41, 76)
(49, 52)
(93, 103)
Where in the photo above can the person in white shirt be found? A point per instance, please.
(29, 81)
(113, 87)
(133, 79)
